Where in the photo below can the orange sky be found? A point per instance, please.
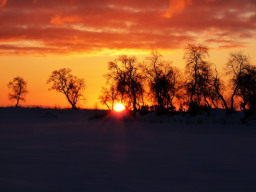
(39, 36)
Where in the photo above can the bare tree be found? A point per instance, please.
(18, 88)
(108, 96)
(176, 84)
(247, 88)
(163, 80)
(237, 65)
(218, 86)
(199, 71)
(124, 71)
(64, 82)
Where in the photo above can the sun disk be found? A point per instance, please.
(119, 107)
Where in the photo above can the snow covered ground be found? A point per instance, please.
(65, 150)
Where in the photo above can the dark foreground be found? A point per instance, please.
(63, 150)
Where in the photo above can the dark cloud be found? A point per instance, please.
(67, 26)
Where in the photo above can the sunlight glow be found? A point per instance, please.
(119, 107)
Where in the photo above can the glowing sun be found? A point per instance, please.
(119, 107)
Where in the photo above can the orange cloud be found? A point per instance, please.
(176, 6)
(69, 26)
(2, 3)
(59, 20)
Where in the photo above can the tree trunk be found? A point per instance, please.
(18, 99)
(74, 107)
(195, 83)
(71, 103)
(17, 104)
(223, 100)
(220, 95)
(134, 105)
(206, 101)
(232, 99)
(192, 95)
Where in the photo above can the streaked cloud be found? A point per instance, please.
(60, 20)
(2, 3)
(75, 26)
(176, 6)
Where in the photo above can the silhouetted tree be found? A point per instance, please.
(124, 71)
(247, 88)
(64, 82)
(163, 81)
(18, 88)
(237, 66)
(108, 96)
(199, 72)
(218, 86)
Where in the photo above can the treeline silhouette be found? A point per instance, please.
(157, 85)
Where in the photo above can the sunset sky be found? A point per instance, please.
(39, 36)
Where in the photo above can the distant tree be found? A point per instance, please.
(108, 96)
(247, 88)
(199, 72)
(18, 88)
(163, 81)
(204, 91)
(236, 67)
(218, 86)
(64, 82)
(124, 72)
(176, 85)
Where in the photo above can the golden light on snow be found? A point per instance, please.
(119, 107)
